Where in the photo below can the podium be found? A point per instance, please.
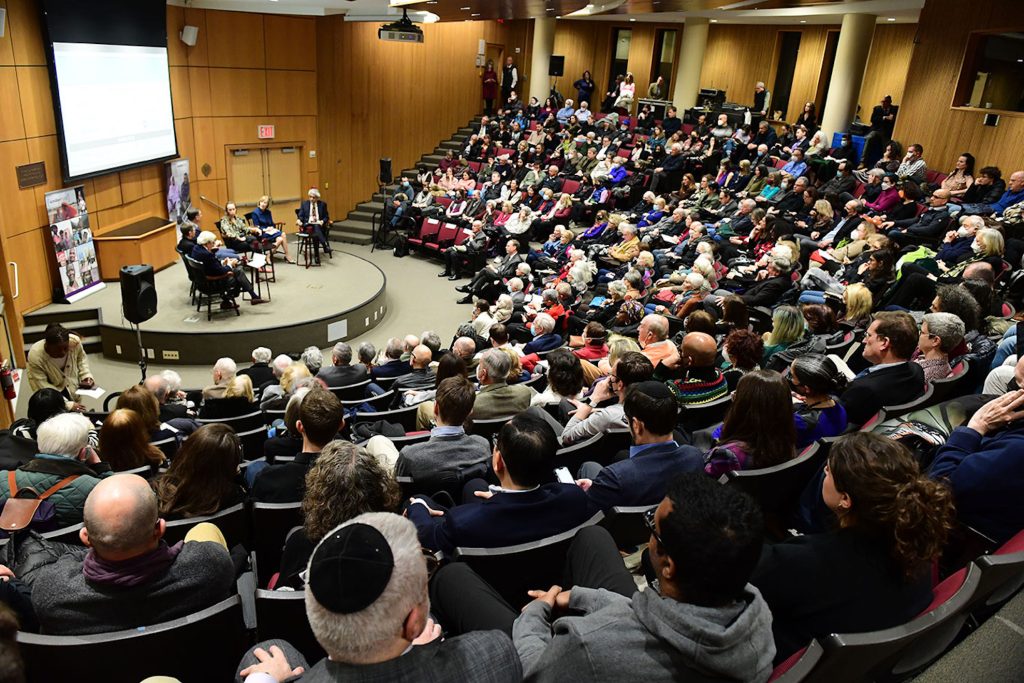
(149, 240)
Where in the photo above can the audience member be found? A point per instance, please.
(758, 429)
(260, 371)
(223, 372)
(343, 483)
(130, 577)
(693, 377)
(376, 626)
(57, 361)
(819, 414)
(498, 398)
(124, 442)
(892, 524)
(892, 379)
(203, 478)
(320, 419)
(65, 461)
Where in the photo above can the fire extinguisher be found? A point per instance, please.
(7, 382)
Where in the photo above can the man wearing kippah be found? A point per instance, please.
(367, 603)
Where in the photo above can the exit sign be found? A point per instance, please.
(265, 132)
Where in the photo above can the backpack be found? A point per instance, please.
(28, 509)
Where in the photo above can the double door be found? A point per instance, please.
(272, 171)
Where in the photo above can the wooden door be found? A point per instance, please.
(495, 53)
(247, 174)
(284, 181)
(31, 285)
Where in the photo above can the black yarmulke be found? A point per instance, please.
(350, 568)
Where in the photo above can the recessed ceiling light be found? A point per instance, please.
(465, 9)
(632, 19)
(714, 21)
(1020, 61)
(803, 21)
(891, 19)
(475, 14)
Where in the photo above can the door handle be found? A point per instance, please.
(17, 287)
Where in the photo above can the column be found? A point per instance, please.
(847, 72)
(543, 45)
(691, 61)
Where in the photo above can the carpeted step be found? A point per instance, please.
(370, 206)
(345, 237)
(354, 226)
(364, 216)
(453, 145)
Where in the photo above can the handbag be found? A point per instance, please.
(26, 508)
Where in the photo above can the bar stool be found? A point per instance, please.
(308, 249)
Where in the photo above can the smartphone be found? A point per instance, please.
(562, 474)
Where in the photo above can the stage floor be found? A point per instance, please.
(341, 299)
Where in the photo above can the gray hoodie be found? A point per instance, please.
(647, 638)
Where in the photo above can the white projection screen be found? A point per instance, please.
(115, 106)
(110, 83)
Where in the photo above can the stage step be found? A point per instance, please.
(346, 237)
(84, 322)
(352, 226)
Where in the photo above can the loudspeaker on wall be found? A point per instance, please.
(556, 66)
(138, 293)
(189, 35)
(385, 176)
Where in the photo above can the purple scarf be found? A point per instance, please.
(131, 572)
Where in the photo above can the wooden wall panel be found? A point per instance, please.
(199, 95)
(737, 57)
(926, 116)
(238, 92)
(369, 108)
(197, 54)
(26, 31)
(33, 254)
(6, 47)
(807, 72)
(12, 125)
(585, 46)
(106, 192)
(235, 39)
(886, 71)
(290, 42)
(36, 102)
(17, 206)
(291, 93)
(177, 51)
(181, 93)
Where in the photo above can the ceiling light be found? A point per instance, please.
(465, 9)
(632, 19)
(803, 21)
(475, 14)
(714, 21)
(891, 19)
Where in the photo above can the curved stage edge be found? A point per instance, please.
(207, 341)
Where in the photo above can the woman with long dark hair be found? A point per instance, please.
(203, 477)
(758, 429)
(891, 523)
(124, 442)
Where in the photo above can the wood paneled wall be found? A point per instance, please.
(588, 45)
(246, 69)
(926, 115)
(379, 99)
(886, 71)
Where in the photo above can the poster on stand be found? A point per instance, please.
(73, 247)
(179, 190)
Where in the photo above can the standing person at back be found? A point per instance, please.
(58, 361)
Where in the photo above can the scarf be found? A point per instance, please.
(131, 572)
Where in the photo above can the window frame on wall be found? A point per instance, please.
(969, 65)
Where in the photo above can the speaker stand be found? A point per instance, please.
(142, 353)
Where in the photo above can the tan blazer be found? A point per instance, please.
(44, 372)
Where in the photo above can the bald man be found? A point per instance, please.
(653, 337)
(420, 377)
(130, 577)
(694, 377)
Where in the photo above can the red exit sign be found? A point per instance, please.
(265, 132)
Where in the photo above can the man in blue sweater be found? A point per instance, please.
(654, 458)
(984, 464)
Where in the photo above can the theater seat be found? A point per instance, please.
(1002, 575)
(205, 646)
(271, 523)
(891, 654)
(282, 614)
(233, 522)
(514, 570)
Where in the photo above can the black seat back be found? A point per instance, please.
(282, 615)
(271, 523)
(233, 522)
(514, 570)
(204, 646)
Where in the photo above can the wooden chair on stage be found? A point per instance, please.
(209, 286)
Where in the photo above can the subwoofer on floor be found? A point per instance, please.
(138, 293)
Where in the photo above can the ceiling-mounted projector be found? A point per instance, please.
(401, 31)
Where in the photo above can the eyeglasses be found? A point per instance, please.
(649, 521)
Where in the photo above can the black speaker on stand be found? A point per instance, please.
(556, 69)
(384, 178)
(138, 302)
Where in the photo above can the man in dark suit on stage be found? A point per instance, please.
(892, 378)
(522, 509)
(314, 218)
(203, 252)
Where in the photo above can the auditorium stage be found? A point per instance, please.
(340, 300)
